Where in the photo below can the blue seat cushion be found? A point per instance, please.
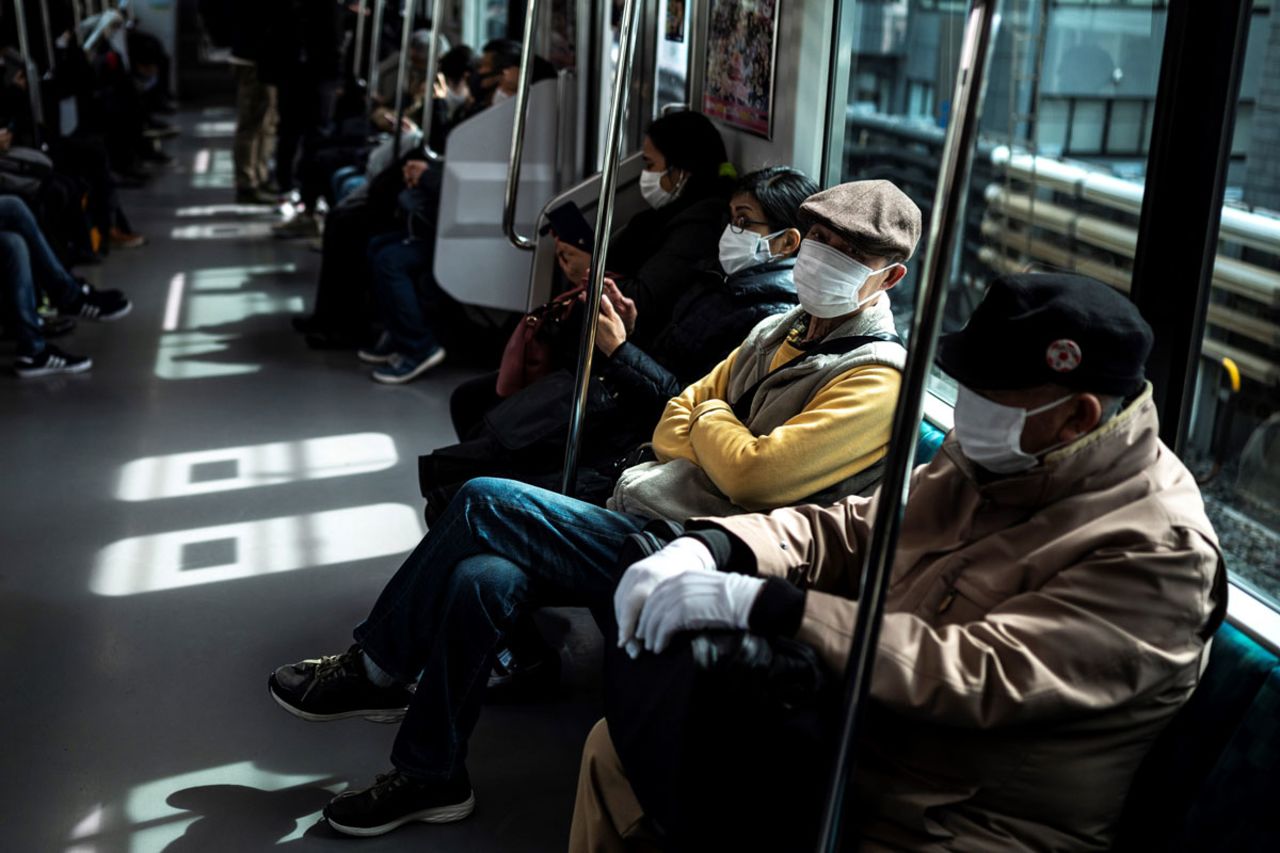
(1182, 788)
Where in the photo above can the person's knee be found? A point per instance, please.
(496, 584)
(13, 250)
(481, 492)
(12, 207)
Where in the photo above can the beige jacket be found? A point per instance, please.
(1040, 630)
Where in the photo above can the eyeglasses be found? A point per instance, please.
(742, 224)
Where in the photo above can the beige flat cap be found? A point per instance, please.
(874, 212)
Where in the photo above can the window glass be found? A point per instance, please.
(1071, 88)
(1070, 105)
(673, 54)
(1124, 134)
(1088, 123)
(1234, 441)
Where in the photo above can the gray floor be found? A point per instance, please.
(143, 603)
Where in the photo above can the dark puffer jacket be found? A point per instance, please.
(708, 320)
(658, 254)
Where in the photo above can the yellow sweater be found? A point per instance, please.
(844, 429)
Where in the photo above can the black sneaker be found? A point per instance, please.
(336, 687)
(395, 799)
(101, 305)
(51, 361)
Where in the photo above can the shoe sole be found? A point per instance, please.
(373, 716)
(36, 373)
(373, 358)
(439, 814)
(426, 365)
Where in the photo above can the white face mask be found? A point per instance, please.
(654, 194)
(990, 434)
(745, 249)
(828, 281)
(498, 97)
(453, 100)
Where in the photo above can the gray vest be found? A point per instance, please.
(679, 489)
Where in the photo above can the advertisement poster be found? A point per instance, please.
(675, 20)
(742, 39)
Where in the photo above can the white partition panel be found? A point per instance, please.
(474, 262)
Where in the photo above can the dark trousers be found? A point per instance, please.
(342, 293)
(500, 548)
(306, 111)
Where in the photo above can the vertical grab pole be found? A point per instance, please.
(406, 33)
(77, 16)
(357, 56)
(517, 134)
(433, 61)
(375, 46)
(48, 35)
(29, 68)
(604, 222)
(945, 228)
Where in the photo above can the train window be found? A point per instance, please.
(1057, 184)
(1233, 443)
(1067, 106)
(672, 54)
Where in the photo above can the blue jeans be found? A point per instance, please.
(401, 279)
(345, 181)
(500, 547)
(27, 262)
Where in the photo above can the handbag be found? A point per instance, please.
(527, 356)
(23, 171)
(722, 727)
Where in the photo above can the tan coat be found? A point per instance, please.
(1040, 630)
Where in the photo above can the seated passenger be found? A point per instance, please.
(1048, 612)
(503, 547)
(341, 317)
(27, 263)
(655, 255)
(751, 281)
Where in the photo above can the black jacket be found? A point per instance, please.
(709, 319)
(658, 256)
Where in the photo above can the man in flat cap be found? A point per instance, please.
(801, 411)
(1049, 608)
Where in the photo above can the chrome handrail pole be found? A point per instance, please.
(433, 71)
(517, 134)
(31, 71)
(945, 230)
(48, 36)
(604, 223)
(375, 46)
(357, 55)
(406, 34)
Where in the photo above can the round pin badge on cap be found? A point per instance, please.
(1063, 355)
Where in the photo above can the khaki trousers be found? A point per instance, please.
(256, 121)
(607, 817)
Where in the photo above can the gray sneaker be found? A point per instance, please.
(401, 369)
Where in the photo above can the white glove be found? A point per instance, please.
(696, 600)
(642, 577)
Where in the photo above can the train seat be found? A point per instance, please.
(1212, 779)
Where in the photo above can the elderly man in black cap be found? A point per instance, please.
(806, 402)
(1049, 609)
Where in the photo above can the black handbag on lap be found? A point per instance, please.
(725, 737)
